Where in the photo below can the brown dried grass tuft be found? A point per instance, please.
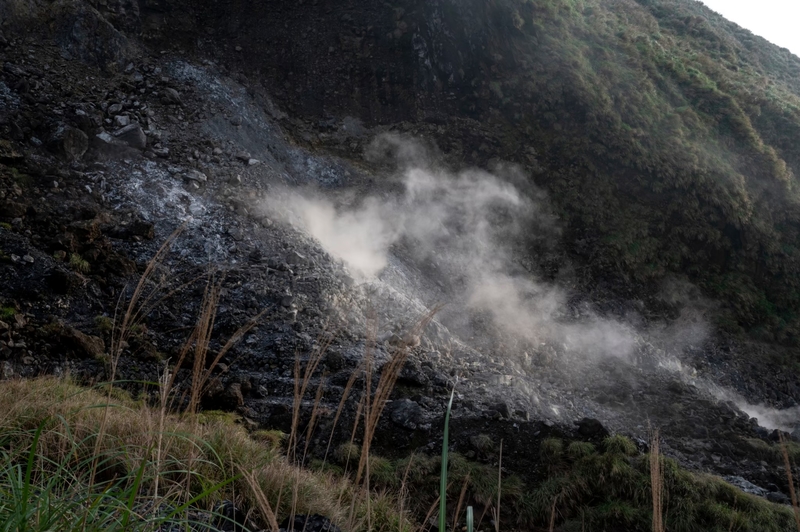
(656, 483)
(787, 463)
(215, 446)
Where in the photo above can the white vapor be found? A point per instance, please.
(470, 232)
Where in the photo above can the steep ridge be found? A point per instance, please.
(663, 132)
(566, 274)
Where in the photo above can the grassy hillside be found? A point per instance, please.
(83, 459)
(670, 140)
(666, 135)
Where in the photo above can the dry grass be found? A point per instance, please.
(787, 463)
(499, 480)
(72, 416)
(656, 483)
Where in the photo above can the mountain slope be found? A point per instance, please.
(665, 134)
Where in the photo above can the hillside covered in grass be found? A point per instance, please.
(672, 137)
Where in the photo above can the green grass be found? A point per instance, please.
(78, 263)
(104, 324)
(444, 464)
(50, 443)
(678, 130)
(61, 470)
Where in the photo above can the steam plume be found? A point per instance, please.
(469, 231)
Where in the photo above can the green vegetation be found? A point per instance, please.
(7, 313)
(5, 225)
(444, 462)
(669, 141)
(104, 324)
(21, 178)
(611, 490)
(599, 489)
(65, 461)
(66, 465)
(78, 263)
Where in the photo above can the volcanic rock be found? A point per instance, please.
(133, 136)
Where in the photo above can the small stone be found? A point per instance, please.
(503, 409)
(778, 497)
(12, 209)
(234, 394)
(105, 137)
(28, 361)
(238, 48)
(69, 142)
(243, 156)
(114, 109)
(195, 175)
(171, 96)
(28, 259)
(8, 153)
(90, 345)
(253, 162)
(294, 258)
(4, 326)
(591, 428)
(406, 413)
(122, 120)
(287, 300)
(133, 136)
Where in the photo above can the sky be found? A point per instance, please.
(775, 20)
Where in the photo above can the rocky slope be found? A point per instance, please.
(270, 132)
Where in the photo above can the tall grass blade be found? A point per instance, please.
(788, 465)
(26, 486)
(470, 519)
(499, 484)
(134, 492)
(657, 483)
(443, 481)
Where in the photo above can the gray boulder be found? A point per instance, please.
(132, 135)
(69, 142)
(406, 413)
